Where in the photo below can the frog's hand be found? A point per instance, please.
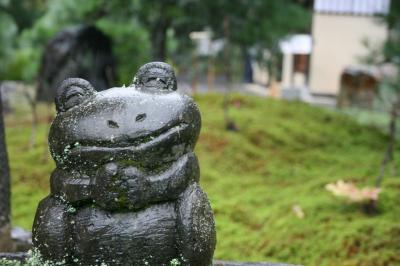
(70, 186)
(169, 184)
(196, 228)
(131, 188)
(50, 230)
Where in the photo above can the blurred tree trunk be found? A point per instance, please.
(210, 73)
(195, 69)
(229, 123)
(274, 90)
(158, 37)
(5, 211)
(247, 67)
(32, 101)
(389, 153)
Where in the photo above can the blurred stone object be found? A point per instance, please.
(22, 239)
(358, 87)
(5, 100)
(125, 189)
(14, 94)
(5, 209)
(82, 51)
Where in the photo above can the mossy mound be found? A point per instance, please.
(283, 155)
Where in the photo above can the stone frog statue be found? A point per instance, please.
(125, 190)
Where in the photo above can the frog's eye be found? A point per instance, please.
(72, 92)
(156, 76)
(156, 79)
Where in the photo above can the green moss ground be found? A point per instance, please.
(283, 155)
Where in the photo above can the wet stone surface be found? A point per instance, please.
(125, 189)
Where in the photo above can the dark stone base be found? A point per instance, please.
(22, 256)
(21, 239)
(18, 256)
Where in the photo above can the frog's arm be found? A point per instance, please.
(196, 228)
(165, 186)
(70, 186)
(130, 188)
(172, 182)
(51, 230)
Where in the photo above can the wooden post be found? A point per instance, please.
(5, 210)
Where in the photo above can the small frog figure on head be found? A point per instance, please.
(156, 76)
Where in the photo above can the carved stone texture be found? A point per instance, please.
(5, 229)
(125, 190)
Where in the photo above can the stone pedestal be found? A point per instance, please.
(20, 256)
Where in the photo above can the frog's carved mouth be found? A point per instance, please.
(127, 145)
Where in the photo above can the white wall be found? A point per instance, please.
(338, 44)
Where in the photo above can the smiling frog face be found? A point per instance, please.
(145, 125)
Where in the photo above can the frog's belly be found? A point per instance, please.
(130, 238)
